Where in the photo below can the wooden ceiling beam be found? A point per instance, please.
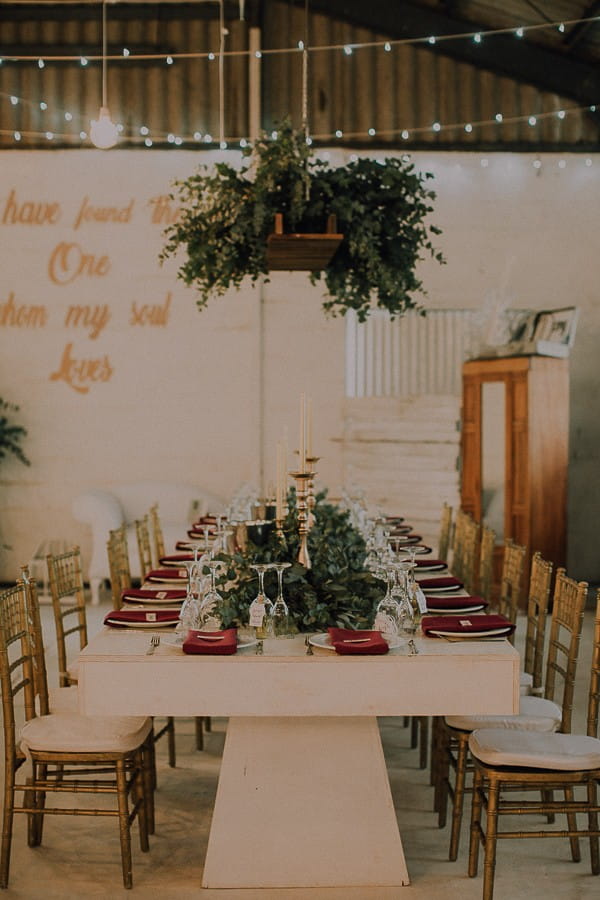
(507, 55)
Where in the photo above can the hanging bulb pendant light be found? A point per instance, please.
(103, 132)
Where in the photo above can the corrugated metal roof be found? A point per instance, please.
(503, 92)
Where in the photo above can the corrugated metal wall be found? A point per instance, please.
(405, 88)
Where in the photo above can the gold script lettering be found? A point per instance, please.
(29, 213)
(13, 315)
(157, 314)
(68, 262)
(78, 373)
(96, 318)
(164, 212)
(90, 213)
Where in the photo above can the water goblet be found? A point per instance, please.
(212, 600)
(280, 614)
(258, 607)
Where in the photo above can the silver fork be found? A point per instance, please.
(154, 642)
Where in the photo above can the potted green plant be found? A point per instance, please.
(11, 434)
(226, 224)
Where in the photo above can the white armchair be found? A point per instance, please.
(103, 510)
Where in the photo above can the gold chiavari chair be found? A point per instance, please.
(538, 595)
(142, 532)
(470, 554)
(512, 761)
(456, 554)
(158, 540)
(485, 579)
(65, 580)
(62, 751)
(118, 564)
(445, 536)
(511, 581)
(537, 714)
(120, 575)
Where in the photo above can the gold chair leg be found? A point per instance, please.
(139, 797)
(491, 831)
(476, 831)
(124, 829)
(592, 795)
(171, 741)
(199, 733)
(459, 795)
(572, 822)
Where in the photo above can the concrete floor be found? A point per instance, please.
(80, 858)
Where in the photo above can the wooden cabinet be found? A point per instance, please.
(514, 457)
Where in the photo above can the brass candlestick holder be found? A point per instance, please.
(310, 498)
(303, 480)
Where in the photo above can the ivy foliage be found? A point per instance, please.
(335, 591)
(11, 434)
(382, 208)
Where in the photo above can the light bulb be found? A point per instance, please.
(103, 132)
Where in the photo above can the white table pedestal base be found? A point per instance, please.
(303, 802)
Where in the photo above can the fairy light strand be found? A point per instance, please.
(477, 36)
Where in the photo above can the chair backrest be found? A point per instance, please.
(537, 613)
(157, 533)
(458, 539)
(445, 532)
(142, 532)
(65, 579)
(118, 564)
(568, 605)
(594, 694)
(470, 554)
(36, 640)
(16, 671)
(511, 580)
(486, 563)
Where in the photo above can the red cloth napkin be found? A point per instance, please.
(198, 533)
(215, 643)
(374, 643)
(465, 624)
(408, 538)
(155, 618)
(152, 596)
(430, 564)
(171, 574)
(445, 581)
(440, 602)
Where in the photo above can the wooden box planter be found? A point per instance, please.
(302, 252)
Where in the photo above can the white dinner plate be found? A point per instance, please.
(323, 641)
(450, 588)
(154, 601)
(454, 610)
(439, 567)
(174, 582)
(243, 641)
(472, 634)
(156, 626)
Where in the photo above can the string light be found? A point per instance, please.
(103, 132)
(477, 36)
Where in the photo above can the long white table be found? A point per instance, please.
(303, 798)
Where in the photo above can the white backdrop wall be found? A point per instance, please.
(120, 378)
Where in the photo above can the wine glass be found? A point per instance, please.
(280, 614)
(190, 613)
(211, 601)
(258, 607)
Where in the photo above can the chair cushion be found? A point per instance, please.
(535, 714)
(71, 733)
(565, 752)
